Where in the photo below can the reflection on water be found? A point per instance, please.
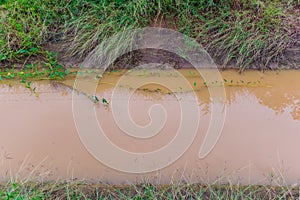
(259, 142)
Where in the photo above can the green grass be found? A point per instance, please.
(25, 26)
(81, 190)
(247, 33)
(49, 69)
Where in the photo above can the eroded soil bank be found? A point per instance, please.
(258, 144)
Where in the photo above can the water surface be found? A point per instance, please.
(259, 143)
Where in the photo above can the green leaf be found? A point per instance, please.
(22, 51)
(104, 101)
(2, 57)
(28, 84)
(95, 98)
(34, 50)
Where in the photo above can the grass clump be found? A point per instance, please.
(25, 26)
(105, 18)
(80, 190)
(246, 33)
(249, 32)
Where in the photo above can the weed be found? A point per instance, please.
(243, 32)
(104, 101)
(81, 190)
(34, 72)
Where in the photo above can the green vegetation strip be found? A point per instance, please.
(47, 70)
(79, 190)
(248, 33)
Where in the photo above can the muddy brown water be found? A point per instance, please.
(259, 143)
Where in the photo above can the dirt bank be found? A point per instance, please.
(290, 59)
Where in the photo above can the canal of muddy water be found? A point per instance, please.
(259, 143)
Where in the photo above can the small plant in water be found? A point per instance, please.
(231, 82)
(95, 99)
(104, 101)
